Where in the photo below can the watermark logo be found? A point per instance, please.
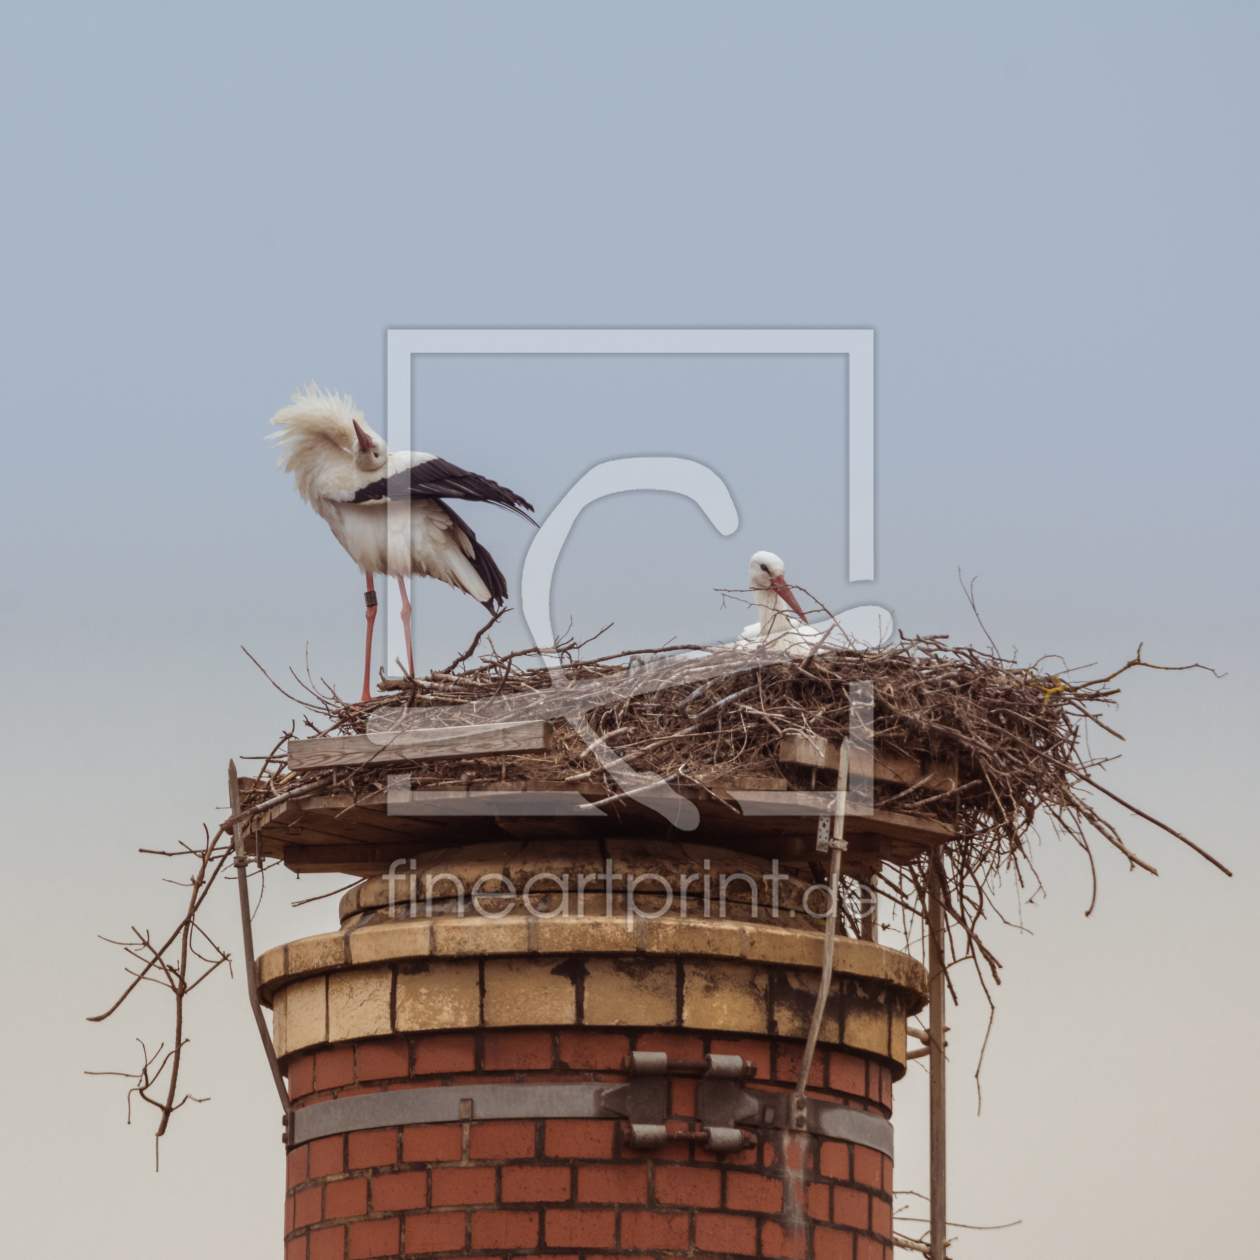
(573, 701)
(703, 894)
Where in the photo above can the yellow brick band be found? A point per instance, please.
(717, 977)
(474, 937)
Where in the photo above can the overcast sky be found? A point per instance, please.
(1046, 212)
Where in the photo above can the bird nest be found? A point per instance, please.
(1014, 737)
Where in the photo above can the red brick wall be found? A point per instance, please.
(568, 1188)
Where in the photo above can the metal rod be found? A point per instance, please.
(869, 909)
(836, 845)
(240, 864)
(936, 1062)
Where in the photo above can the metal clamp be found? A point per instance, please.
(647, 1092)
(721, 1104)
(657, 1063)
(650, 1136)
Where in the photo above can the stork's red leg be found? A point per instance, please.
(369, 597)
(406, 620)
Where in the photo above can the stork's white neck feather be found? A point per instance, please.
(774, 614)
(773, 611)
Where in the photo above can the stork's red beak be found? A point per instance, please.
(779, 586)
(365, 442)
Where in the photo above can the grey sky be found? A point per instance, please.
(1046, 212)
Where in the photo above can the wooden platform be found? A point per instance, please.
(363, 835)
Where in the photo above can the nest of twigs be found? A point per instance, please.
(1018, 736)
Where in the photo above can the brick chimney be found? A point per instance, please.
(569, 1074)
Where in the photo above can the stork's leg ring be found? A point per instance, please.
(369, 598)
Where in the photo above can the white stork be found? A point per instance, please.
(776, 627)
(344, 471)
(781, 625)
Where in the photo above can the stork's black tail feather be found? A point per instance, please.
(483, 562)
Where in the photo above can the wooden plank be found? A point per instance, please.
(365, 829)
(762, 820)
(291, 824)
(458, 803)
(899, 826)
(522, 785)
(377, 803)
(350, 859)
(816, 753)
(886, 822)
(358, 815)
(421, 745)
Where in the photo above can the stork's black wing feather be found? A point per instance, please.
(482, 561)
(439, 479)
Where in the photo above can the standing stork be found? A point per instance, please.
(345, 472)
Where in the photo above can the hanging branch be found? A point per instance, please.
(185, 959)
(180, 975)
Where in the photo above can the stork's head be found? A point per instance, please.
(370, 452)
(765, 573)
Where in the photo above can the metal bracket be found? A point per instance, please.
(822, 841)
(449, 1104)
(724, 1104)
(642, 1101)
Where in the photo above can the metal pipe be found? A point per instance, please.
(869, 909)
(936, 1063)
(240, 864)
(836, 844)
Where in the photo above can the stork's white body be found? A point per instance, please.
(781, 625)
(783, 633)
(775, 620)
(399, 538)
(386, 509)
